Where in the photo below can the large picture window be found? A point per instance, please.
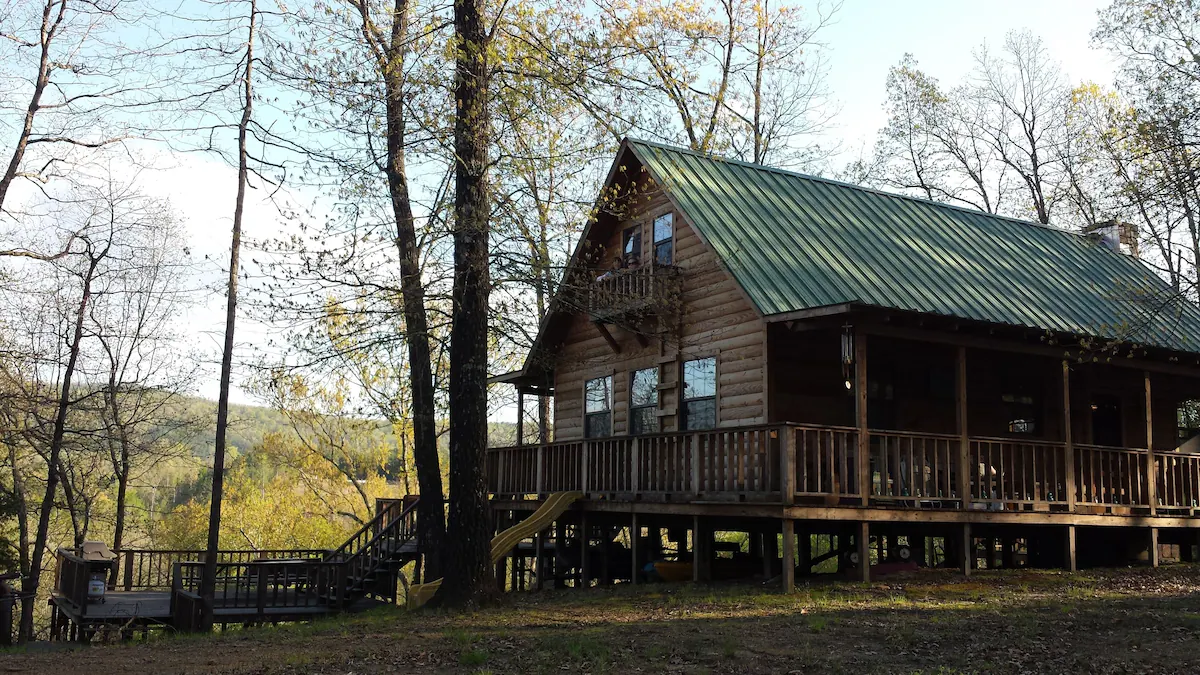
(664, 239)
(643, 401)
(597, 407)
(700, 394)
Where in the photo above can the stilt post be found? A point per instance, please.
(789, 555)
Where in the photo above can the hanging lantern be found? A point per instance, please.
(848, 355)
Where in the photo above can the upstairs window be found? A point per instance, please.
(664, 239)
(700, 394)
(643, 401)
(1187, 417)
(631, 246)
(597, 407)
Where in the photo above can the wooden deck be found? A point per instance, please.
(801, 467)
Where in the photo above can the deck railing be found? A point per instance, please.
(151, 570)
(603, 293)
(906, 469)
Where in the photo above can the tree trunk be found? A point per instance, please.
(431, 514)
(467, 559)
(29, 584)
(208, 582)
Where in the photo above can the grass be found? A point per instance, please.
(1125, 621)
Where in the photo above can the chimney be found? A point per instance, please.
(1115, 235)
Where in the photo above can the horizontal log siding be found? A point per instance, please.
(717, 321)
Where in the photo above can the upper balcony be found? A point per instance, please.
(626, 294)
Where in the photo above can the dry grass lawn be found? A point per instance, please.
(1111, 621)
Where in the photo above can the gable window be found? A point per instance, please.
(643, 401)
(664, 239)
(700, 394)
(631, 246)
(597, 402)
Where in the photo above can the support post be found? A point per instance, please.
(585, 545)
(1154, 547)
(964, 440)
(1071, 564)
(860, 415)
(560, 560)
(805, 541)
(635, 536)
(1151, 466)
(702, 539)
(789, 555)
(787, 464)
(967, 560)
(770, 553)
(863, 543)
(520, 417)
(539, 558)
(1068, 440)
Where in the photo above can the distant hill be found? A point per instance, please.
(249, 424)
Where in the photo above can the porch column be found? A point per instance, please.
(520, 416)
(1068, 441)
(860, 413)
(964, 441)
(789, 555)
(1151, 469)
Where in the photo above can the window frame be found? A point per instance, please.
(608, 410)
(631, 258)
(635, 408)
(668, 242)
(685, 400)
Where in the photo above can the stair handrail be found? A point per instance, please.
(385, 532)
(345, 549)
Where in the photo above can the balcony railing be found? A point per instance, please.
(618, 292)
(904, 469)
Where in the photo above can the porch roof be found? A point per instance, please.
(796, 242)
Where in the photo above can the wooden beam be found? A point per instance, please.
(815, 312)
(585, 540)
(1151, 463)
(789, 555)
(1154, 547)
(860, 414)
(960, 419)
(863, 543)
(1068, 440)
(539, 551)
(612, 343)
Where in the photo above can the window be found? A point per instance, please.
(664, 233)
(631, 246)
(643, 401)
(1021, 412)
(1187, 417)
(700, 394)
(597, 402)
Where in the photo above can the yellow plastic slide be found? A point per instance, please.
(504, 542)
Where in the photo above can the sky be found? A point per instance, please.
(867, 38)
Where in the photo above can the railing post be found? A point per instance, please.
(1152, 472)
(634, 467)
(128, 569)
(500, 466)
(541, 460)
(787, 464)
(584, 467)
(696, 464)
(1068, 439)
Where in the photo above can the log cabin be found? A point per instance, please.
(755, 371)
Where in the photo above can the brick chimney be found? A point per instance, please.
(1117, 235)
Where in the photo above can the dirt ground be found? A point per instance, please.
(1098, 622)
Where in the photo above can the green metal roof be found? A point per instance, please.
(796, 242)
